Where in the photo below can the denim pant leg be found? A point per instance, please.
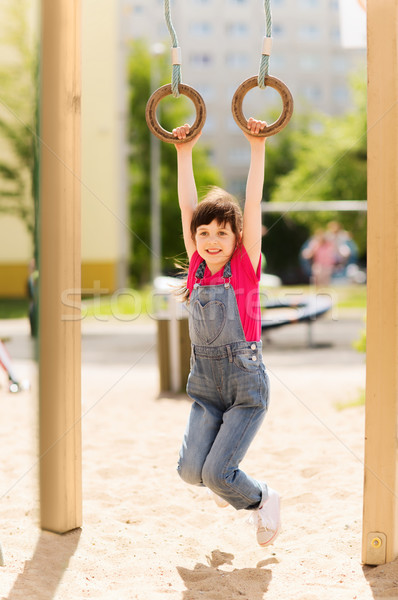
(241, 422)
(202, 428)
(203, 424)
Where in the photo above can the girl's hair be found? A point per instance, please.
(216, 204)
(219, 205)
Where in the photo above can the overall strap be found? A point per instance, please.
(227, 273)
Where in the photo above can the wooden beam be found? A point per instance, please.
(59, 323)
(380, 515)
(315, 206)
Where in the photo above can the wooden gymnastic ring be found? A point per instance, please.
(276, 84)
(157, 129)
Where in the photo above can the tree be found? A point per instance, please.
(172, 112)
(18, 110)
(316, 157)
(330, 164)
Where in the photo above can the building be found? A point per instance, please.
(221, 44)
(105, 225)
(105, 220)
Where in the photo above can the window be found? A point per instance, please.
(210, 124)
(277, 62)
(339, 64)
(200, 60)
(309, 62)
(236, 61)
(239, 155)
(200, 29)
(310, 33)
(312, 93)
(340, 94)
(237, 29)
(238, 187)
(335, 35)
(308, 4)
(238, 2)
(277, 30)
(231, 125)
(207, 92)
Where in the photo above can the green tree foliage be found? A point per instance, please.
(328, 162)
(285, 236)
(18, 105)
(171, 113)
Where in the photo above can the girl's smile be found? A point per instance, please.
(215, 243)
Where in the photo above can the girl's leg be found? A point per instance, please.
(202, 428)
(240, 424)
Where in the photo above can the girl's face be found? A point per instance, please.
(215, 243)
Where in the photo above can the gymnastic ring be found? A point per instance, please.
(276, 84)
(157, 129)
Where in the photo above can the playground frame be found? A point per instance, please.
(60, 410)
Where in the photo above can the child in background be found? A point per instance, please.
(228, 382)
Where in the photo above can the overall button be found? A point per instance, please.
(254, 358)
(253, 346)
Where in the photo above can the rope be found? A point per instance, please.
(176, 73)
(264, 64)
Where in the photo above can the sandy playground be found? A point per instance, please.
(148, 536)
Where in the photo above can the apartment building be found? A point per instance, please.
(221, 47)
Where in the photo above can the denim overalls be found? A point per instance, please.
(229, 388)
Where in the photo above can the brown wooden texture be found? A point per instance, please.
(276, 84)
(380, 502)
(60, 266)
(158, 130)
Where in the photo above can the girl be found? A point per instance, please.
(228, 382)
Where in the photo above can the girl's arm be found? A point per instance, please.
(187, 193)
(252, 226)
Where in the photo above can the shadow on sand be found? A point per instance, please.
(50, 559)
(383, 580)
(237, 584)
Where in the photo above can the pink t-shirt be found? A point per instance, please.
(245, 282)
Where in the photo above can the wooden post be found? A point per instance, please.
(59, 322)
(380, 515)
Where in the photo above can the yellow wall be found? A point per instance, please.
(15, 253)
(13, 280)
(104, 207)
(99, 275)
(104, 213)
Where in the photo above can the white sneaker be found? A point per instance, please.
(218, 500)
(267, 519)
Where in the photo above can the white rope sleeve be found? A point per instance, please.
(176, 56)
(267, 46)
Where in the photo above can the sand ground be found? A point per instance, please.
(148, 536)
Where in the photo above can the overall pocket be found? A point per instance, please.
(245, 362)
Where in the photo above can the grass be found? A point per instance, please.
(355, 402)
(350, 296)
(14, 308)
(124, 303)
